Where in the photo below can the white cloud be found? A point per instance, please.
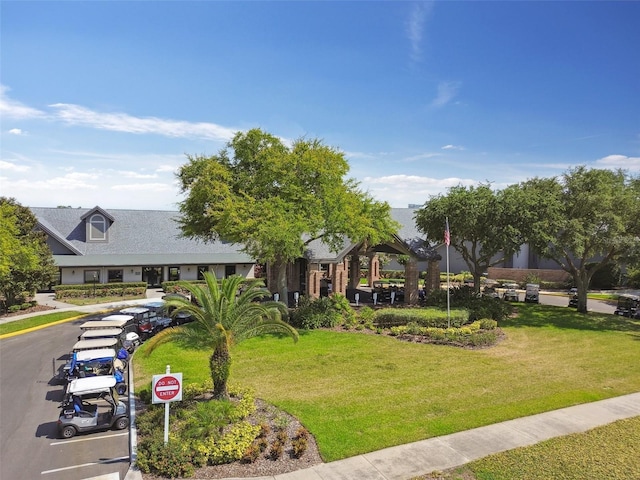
(446, 92)
(422, 156)
(401, 190)
(130, 174)
(619, 161)
(166, 168)
(17, 131)
(452, 147)
(148, 187)
(13, 109)
(122, 122)
(415, 27)
(9, 166)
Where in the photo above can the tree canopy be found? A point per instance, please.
(591, 219)
(275, 199)
(26, 262)
(483, 225)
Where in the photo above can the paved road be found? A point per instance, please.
(562, 300)
(29, 444)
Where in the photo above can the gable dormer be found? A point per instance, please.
(97, 222)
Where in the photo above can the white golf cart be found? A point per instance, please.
(92, 404)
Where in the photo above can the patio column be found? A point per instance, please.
(411, 281)
(354, 271)
(374, 269)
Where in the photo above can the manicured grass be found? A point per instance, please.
(18, 325)
(359, 393)
(609, 452)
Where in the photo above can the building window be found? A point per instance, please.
(92, 276)
(114, 276)
(202, 269)
(97, 228)
(174, 274)
(229, 270)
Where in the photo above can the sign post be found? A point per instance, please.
(165, 389)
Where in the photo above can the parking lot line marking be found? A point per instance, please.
(72, 467)
(88, 438)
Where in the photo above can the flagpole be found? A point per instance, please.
(447, 237)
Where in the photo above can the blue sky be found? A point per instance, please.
(100, 101)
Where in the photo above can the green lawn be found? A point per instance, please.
(49, 318)
(359, 393)
(608, 452)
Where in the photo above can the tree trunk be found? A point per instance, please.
(476, 282)
(582, 280)
(220, 364)
(280, 267)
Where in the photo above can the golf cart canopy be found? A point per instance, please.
(95, 344)
(92, 385)
(88, 355)
(117, 316)
(103, 333)
(101, 324)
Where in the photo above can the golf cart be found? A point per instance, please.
(179, 318)
(510, 294)
(92, 363)
(159, 315)
(532, 293)
(92, 404)
(490, 292)
(628, 306)
(142, 320)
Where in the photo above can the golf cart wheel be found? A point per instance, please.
(121, 388)
(121, 423)
(68, 431)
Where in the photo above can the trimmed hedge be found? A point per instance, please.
(100, 289)
(424, 317)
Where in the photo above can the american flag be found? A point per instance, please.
(447, 236)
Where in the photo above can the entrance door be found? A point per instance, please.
(152, 275)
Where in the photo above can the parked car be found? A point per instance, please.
(510, 294)
(92, 404)
(628, 306)
(532, 293)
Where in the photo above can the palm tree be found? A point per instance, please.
(226, 313)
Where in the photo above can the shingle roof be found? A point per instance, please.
(134, 233)
(153, 236)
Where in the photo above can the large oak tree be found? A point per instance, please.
(275, 199)
(484, 225)
(590, 219)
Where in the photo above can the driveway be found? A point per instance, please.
(30, 407)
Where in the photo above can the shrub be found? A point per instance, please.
(465, 298)
(488, 324)
(324, 312)
(171, 460)
(276, 450)
(14, 308)
(425, 317)
(251, 454)
(298, 446)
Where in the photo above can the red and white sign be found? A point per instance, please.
(166, 388)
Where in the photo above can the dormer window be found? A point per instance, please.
(97, 228)
(97, 223)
